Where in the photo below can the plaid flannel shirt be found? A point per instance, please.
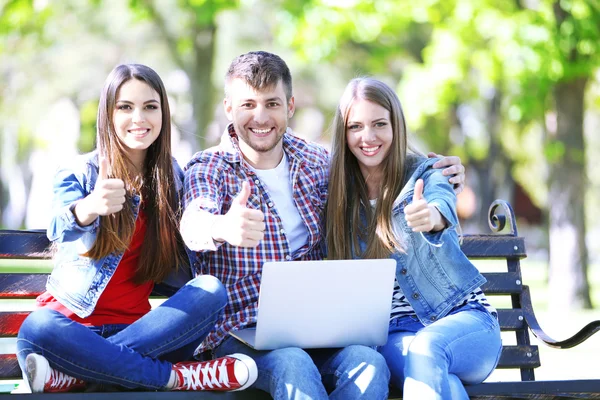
(213, 178)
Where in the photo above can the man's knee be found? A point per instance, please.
(206, 291)
(365, 358)
(289, 360)
(366, 354)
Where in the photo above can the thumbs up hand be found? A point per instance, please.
(241, 226)
(107, 197)
(420, 215)
(109, 194)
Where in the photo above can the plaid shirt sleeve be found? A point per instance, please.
(202, 203)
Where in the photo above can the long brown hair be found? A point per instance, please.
(348, 192)
(163, 249)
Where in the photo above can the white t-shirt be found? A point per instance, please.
(279, 187)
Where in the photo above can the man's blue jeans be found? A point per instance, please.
(132, 356)
(433, 362)
(353, 372)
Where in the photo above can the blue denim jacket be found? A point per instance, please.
(433, 273)
(77, 281)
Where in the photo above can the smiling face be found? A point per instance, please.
(369, 135)
(260, 118)
(137, 117)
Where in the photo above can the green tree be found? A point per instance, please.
(21, 30)
(577, 44)
(491, 73)
(189, 28)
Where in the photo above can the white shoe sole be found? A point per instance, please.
(36, 370)
(252, 370)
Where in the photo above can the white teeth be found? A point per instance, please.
(261, 131)
(370, 149)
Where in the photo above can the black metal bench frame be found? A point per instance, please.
(520, 319)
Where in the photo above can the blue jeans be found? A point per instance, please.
(353, 372)
(139, 355)
(433, 362)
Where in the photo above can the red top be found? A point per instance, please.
(122, 301)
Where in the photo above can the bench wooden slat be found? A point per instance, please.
(502, 283)
(249, 394)
(519, 356)
(9, 367)
(496, 246)
(547, 390)
(580, 389)
(29, 286)
(10, 321)
(31, 244)
(511, 319)
(22, 286)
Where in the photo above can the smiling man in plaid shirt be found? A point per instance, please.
(258, 196)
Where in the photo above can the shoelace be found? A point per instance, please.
(201, 377)
(60, 380)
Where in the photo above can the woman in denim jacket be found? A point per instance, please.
(115, 232)
(386, 201)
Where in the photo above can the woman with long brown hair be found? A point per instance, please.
(387, 201)
(115, 232)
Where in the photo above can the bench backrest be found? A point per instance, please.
(507, 247)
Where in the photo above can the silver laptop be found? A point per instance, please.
(321, 304)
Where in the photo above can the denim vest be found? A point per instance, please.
(77, 281)
(433, 272)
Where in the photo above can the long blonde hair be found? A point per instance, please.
(348, 192)
(163, 248)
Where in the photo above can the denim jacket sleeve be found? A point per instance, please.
(70, 185)
(439, 193)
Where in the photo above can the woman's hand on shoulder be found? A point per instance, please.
(420, 215)
(107, 198)
(453, 168)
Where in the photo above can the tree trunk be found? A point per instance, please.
(198, 68)
(493, 172)
(200, 73)
(568, 280)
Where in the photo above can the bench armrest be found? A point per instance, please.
(539, 333)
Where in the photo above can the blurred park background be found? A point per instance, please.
(510, 86)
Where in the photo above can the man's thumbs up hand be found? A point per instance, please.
(242, 198)
(241, 226)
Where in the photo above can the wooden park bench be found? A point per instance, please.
(517, 318)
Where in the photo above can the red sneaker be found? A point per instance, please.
(233, 372)
(45, 379)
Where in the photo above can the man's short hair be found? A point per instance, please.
(260, 70)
